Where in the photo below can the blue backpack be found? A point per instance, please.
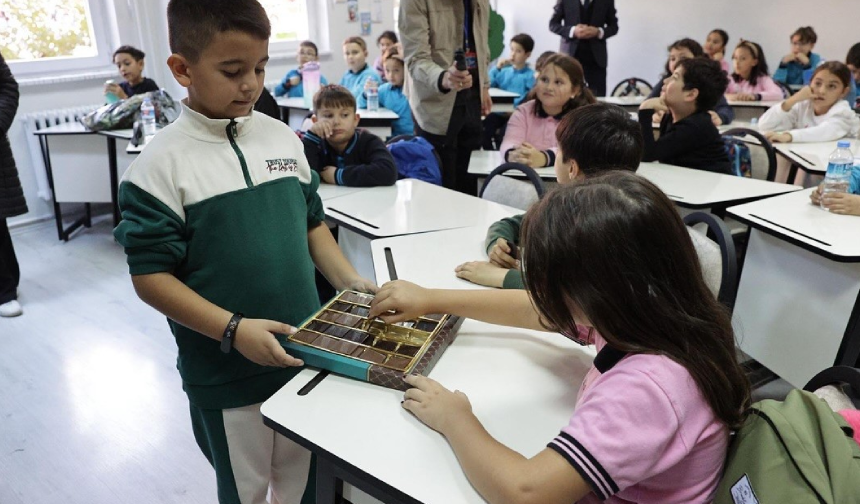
(739, 156)
(416, 158)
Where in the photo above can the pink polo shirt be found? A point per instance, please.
(525, 126)
(642, 432)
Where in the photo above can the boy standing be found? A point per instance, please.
(292, 83)
(359, 72)
(222, 221)
(341, 154)
(688, 136)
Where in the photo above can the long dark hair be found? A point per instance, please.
(758, 70)
(614, 248)
(574, 71)
(685, 43)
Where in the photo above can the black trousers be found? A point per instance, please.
(495, 125)
(10, 275)
(595, 74)
(454, 148)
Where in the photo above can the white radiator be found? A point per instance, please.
(44, 119)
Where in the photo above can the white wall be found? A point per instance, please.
(144, 24)
(646, 27)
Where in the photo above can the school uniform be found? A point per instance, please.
(536, 128)
(392, 98)
(792, 72)
(519, 81)
(297, 91)
(144, 86)
(693, 142)
(764, 88)
(354, 81)
(722, 108)
(804, 126)
(365, 162)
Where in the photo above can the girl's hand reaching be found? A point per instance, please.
(439, 408)
(400, 300)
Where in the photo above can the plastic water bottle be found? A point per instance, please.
(110, 97)
(310, 82)
(372, 97)
(839, 166)
(147, 119)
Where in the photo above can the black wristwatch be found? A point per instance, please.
(230, 332)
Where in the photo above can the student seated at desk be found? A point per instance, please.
(391, 93)
(688, 137)
(292, 85)
(847, 203)
(683, 49)
(715, 47)
(358, 73)
(654, 413)
(221, 218)
(530, 137)
(342, 154)
(512, 75)
(750, 81)
(800, 59)
(592, 140)
(129, 62)
(816, 113)
(853, 62)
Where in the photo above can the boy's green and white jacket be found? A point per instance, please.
(225, 206)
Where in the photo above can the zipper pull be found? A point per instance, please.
(233, 130)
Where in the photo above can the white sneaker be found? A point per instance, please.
(11, 309)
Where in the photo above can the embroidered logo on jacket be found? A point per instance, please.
(282, 165)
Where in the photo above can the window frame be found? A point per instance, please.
(317, 22)
(104, 36)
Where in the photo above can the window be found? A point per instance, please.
(291, 23)
(41, 36)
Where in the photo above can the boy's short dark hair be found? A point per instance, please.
(356, 40)
(600, 137)
(525, 41)
(191, 24)
(311, 45)
(708, 77)
(387, 34)
(807, 35)
(334, 96)
(134, 52)
(853, 57)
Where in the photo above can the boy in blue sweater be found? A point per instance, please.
(292, 83)
(800, 59)
(355, 55)
(514, 75)
(391, 93)
(340, 153)
(223, 229)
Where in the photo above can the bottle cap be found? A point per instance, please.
(843, 144)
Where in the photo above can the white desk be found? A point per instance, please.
(378, 121)
(746, 110)
(685, 186)
(797, 305)
(331, 191)
(408, 207)
(812, 157)
(522, 385)
(628, 103)
(503, 101)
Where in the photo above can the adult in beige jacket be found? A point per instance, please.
(447, 103)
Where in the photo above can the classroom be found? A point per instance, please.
(427, 330)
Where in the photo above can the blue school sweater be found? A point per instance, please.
(298, 91)
(355, 81)
(516, 81)
(792, 73)
(392, 98)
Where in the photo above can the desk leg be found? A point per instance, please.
(329, 487)
(114, 182)
(58, 213)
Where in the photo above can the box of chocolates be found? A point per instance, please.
(342, 339)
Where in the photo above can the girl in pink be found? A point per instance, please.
(609, 261)
(715, 47)
(750, 81)
(530, 136)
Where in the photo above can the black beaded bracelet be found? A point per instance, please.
(230, 332)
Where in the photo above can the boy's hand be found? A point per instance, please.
(801, 58)
(715, 118)
(788, 58)
(295, 80)
(778, 136)
(321, 128)
(399, 300)
(658, 104)
(500, 255)
(327, 175)
(841, 203)
(503, 63)
(815, 196)
(255, 340)
(439, 408)
(117, 90)
(482, 273)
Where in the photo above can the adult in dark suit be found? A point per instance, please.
(584, 26)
